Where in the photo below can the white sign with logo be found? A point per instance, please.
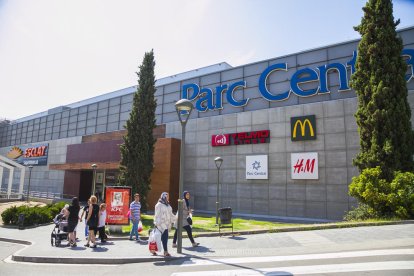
(304, 165)
(256, 167)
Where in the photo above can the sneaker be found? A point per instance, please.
(130, 239)
(138, 240)
(93, 246)
(196, 244)
(74, 244)
(87, 245)
(174, 245)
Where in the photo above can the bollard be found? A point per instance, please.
(20, 221)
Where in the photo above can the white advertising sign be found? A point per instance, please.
(304, 165)
(256, 167)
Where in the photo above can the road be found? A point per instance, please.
(385, 250)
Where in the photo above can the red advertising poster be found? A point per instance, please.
(117, 205)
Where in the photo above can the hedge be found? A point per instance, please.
(32, 215)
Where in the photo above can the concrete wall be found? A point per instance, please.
(326, 198)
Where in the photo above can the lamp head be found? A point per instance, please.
(218, 161)
(30, 167)
(184, 105)
(94, 166)
(183, 108)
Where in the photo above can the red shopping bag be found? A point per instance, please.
(153, 248)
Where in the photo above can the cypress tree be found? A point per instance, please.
(138, 148)
(383, 114)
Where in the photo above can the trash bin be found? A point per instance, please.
(225, 215)
(20, 221)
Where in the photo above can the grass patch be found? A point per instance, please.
(208, 225)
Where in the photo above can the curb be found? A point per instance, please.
(107, 261)
(15, 241)
(127, 260)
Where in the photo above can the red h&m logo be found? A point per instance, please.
(308, 167)
(220, 140)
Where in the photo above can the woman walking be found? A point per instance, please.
(72, 213)
(186, 213)
(92, 221)
(163, 219)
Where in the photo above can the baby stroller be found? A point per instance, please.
(59, 232)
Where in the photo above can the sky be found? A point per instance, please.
(56, 52)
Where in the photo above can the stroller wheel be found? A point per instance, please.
(57, 242)
(51, 241)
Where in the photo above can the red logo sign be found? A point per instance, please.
(220, 140)
(241, 138)
(117, 204)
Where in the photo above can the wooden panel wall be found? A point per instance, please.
(165, 176)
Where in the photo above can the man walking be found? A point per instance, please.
(135, 214)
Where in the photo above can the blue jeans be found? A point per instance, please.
(134, 230)
(164, 239)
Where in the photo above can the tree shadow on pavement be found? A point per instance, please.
(199, 249)
(77, 248)
(99, 249)
(236, 238)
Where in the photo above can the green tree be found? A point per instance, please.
(383, 114)
(138, 148)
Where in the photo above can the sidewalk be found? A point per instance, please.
(36, 244)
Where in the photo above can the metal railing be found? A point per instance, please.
(34, 194)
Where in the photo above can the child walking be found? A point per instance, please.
(101, 224)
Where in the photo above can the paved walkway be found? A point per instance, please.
(119, 251)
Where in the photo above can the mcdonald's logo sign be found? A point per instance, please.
(303, 128)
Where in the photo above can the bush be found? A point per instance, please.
(32, 215)
(362, 212)
(401, 199)
(384, 198)
(9, 216)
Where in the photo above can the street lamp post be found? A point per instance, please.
(94, 166)
(183, 108)
(218, 161)
(28, 187)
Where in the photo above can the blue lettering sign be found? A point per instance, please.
(409, 55)
(323, 73)
(263, 80)
(207, 99)
(303, 76)
(230, 92)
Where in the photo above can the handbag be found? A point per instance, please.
(190, 220)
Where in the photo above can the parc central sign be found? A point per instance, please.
(206, 99)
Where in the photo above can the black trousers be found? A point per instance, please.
(189, 233)
(102, 234)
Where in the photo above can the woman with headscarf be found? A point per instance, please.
(163, 219)
(186, 225)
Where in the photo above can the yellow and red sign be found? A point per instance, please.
(33, 154)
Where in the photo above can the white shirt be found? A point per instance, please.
(102, 218)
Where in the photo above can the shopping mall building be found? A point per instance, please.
(284, 127)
